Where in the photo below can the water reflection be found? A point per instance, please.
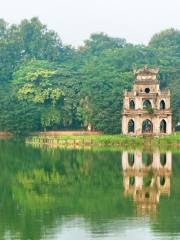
(146, 176)
(79, 193)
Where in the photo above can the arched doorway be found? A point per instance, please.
(131, 159)
(132, 104)
(147, 126)
(162, 104)
(163, 159)
(131, 126)
(147, 159)
(163, 126)
(147, 104)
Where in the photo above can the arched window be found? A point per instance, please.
(131, 104)
(163, 126)
(147, 126)
(162, 180)
(147, 180)
(162, 105)
(131, 180)
(147, 104)
(131, 126)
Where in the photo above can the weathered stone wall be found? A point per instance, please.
(141, 87)
(138, 121)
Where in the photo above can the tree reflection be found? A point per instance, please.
(42, 188)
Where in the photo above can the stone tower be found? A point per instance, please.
(146, 109)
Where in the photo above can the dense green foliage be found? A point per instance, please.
(46, 85)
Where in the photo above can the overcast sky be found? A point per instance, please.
(75, 20)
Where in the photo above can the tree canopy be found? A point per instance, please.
(45, 84)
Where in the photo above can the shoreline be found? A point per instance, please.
(105, 141)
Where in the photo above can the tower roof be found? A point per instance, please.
(146, 71)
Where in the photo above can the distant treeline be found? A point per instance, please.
(46, 85)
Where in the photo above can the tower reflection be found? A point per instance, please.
(146, 177)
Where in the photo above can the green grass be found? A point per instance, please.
(109, 140)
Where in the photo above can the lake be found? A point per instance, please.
(88, 194)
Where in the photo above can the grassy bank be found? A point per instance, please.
(105, 140)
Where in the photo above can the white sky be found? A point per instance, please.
(75, 20)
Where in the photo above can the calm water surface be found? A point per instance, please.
(88, 194)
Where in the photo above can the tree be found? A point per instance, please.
(52, 86)
(17, 117)
(169, 39)
(35, 82)
(99, 42)
(38, 41)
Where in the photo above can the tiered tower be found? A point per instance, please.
(146, 108)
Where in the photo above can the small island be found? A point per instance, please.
(146, 120)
